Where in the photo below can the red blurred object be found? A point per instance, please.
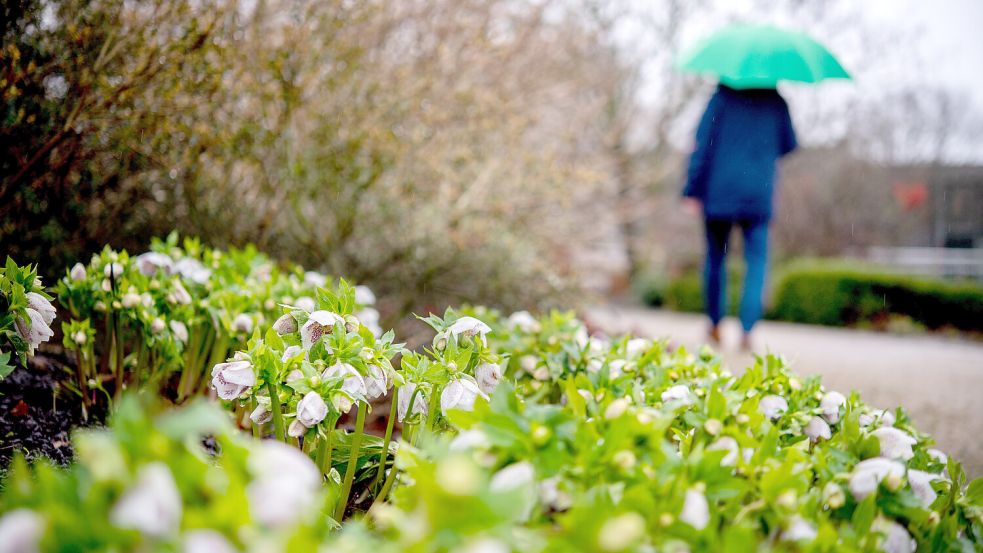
(19, 410)
(910, 195)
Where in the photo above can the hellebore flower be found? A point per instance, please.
(180, 331)
(285, 485)
(830, 406)
(620, 532)
(938, 456)
(261, 414)
(231, 380)
(679, 392)
(36, 333)
(488, 375)
(243, 323)
(157, 325)
(78, 272)
(728, 444)
(696, 511)
(376, 383)
(514, 476)
(886, 418)
(403, 402)
(868, 474)
(364, 295)
(773, 406)
(460, 394)
(921, 483)
(151, 505)
(895, 444)
(286, 324)
(21, 531)
(179, 294)
(131, 300)
(896, 538)
(469, 327)
(151, 262)
(41, 304)
(636, 346)
(798, 529)
(311, 409)
(193, 270)
(316, 279)
(353, 382)
(524, 321)
(206, 541)
(319, 324)
(817, 429)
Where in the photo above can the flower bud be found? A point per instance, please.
(152, 504)
(833, 495)
(616, 408)
(131, 300)
(624, 459)
(541, 374)
(351, 323)
(158, 325)
(342, 402)
(243, 324)
(286, 324)
(78, 272)
(106, 285)
(180, 331)
(311, 410)
(713, 426)
(113, 270)
(80, 338)
(620, 532)
(696, 510)
(817, 429)
(261, 414)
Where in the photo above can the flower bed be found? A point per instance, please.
(504, 434)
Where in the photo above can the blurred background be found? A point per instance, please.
(512, 153)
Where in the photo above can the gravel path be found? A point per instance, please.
(938, 380)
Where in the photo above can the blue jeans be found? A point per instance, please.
(715, 271)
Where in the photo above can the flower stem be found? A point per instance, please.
(385, 442)
(355, 444)
(277, 414)
(255, 427)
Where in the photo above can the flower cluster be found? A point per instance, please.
(26, 314)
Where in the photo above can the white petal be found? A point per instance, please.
(151, 505)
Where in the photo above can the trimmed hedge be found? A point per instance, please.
(841, 294)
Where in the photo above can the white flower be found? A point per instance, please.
(868, 474)
(553, 496)
(485, 545)
(773, 406)
(261, 414)
(370, 319)
(193, 270)
(306, 303)
(36, 333)
(131, 300)
(151, 505)
(460, 394)
(798, 529)
(896, 538)
(151, 262)
(289, 353)
(353, 383)
(206, 541)
(620, 532)
(515, 476)
(403, 402)
(232, 380)
(243, 323)
(311, 409)
(469, 327)
(157, 325)
(895, 444)
(679, 392)
(921, 483)
(817, 429)
(616, 368)
(78, 272)
(541, 373)
(728, 444)
(488, 376)
(938, 456)
(616, 408)
(21, 531)
(886, 418)
(180, 331)
(830, 406)
(294, 375)
(833, 495)
(113, 270)
(524, 321)
(41, 304)
(636, 346)
(179, 295)
(286, 324)
(364, 295)
(376, 383)
(316, 279)
(696, 511)
(319, 324)
(471, 438)
(285, 486)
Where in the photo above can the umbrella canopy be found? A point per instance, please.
(758, 56)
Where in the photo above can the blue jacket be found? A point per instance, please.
(740, 138)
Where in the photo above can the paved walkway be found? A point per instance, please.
(938, 380)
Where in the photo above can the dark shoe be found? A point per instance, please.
(715, 334)
(746, 345)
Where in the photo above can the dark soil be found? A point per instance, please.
(37, 415)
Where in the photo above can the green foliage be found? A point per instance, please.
(840, 294)
(25, 313)
(685, 292)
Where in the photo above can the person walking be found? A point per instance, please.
(731, 183)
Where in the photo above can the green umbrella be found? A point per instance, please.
(758, 56)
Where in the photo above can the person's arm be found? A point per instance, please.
(699, 161)
(788, 142)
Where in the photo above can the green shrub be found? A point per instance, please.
(685, 293)
(840, 294)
